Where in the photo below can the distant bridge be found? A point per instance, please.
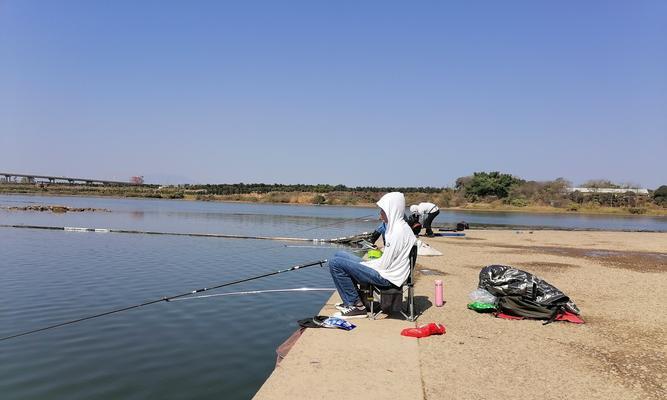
(32, 178)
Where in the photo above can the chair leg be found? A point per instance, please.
(406, 309)
(371, 298)
(411, 303)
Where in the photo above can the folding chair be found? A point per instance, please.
(406, 291)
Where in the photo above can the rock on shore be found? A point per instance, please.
(55, 208)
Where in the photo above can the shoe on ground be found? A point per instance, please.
(351, 313)
(341, 306)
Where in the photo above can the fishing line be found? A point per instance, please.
(325, 226)
(328, 246)
(325, 245)
(303, 289)
(167, 299)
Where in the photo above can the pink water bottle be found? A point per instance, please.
(438, 294)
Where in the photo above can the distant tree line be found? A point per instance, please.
(491, 186)
(246, 188)
(481, 187)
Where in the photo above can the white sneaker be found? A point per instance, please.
(351, 312)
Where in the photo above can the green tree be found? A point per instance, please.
(660, 196)
(482, 184)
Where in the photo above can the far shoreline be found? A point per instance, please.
(530, 210)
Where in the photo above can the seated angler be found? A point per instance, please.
(391, 269)
(411, 220)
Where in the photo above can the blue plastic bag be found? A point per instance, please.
(334, 322)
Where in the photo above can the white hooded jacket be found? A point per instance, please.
(394, 265)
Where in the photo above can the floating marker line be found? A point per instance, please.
(345, 239)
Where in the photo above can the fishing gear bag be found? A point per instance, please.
(522, 294)
(520, 307)
(461, 226)
(413, 222)
(391, 299)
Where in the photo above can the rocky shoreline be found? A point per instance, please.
(54, 208)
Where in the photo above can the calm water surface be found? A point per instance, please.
(217, 347)
(192, 216)
(220, 347)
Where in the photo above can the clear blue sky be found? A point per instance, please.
(349, 92)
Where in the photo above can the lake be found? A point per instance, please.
(195, 349)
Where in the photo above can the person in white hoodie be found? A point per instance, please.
(392, 269)
(428, 212)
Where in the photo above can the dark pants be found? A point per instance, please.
(427, 222)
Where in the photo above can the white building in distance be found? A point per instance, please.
(607, 190)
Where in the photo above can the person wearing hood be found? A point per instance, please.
(428, 212)
(411, 220)
(391, 269)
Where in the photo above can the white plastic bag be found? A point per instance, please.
(482, 296)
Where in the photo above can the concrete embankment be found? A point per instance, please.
(616, 278)
(370, 361)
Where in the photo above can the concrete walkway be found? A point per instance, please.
(616, 278)
(372, 361)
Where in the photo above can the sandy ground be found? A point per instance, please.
(617, 279)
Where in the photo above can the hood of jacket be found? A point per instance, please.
(393, 205)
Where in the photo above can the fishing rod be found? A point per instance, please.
(166, 299)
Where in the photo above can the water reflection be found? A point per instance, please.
(137, 215)
(251, 218)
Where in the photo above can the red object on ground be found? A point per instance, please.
(569, 317)
(507, 316)
(566, 316)
(424, 331)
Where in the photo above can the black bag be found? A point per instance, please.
(461, 226)
(522, 307)
(314, 322)
(391, 299)
(413, 222)
(523, 294)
